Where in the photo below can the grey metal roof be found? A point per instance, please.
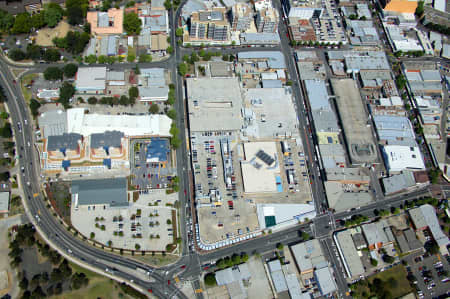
(4, 201)
(153, 91)
(325, 121)
(104, 191)
(224, 277)
(275, 59)
(112, 45)
(67, 141)
(350, 254)
(325, 281)
(271, 84)
(53, 122)
(317, 94)
(308, 255)
(398, 182)
(278, 279)
(103, 19)
(115, 76)
(106, 139)
(412, 240)
(260, 38)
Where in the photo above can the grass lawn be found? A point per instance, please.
(156, 260)
(398, 273)
(99, 287)
(25, 81)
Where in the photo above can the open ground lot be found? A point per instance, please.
(141, 223)
(232, 213)
(45, 36)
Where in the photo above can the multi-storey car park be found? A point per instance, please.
(248, 163)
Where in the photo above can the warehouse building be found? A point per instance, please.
(350, 257)
(101, 194)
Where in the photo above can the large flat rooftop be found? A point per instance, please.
(358, 134)
(214, 104)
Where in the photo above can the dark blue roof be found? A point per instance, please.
(107, 163)
(158, 149)
(66, 163)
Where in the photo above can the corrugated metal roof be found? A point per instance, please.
(111, 192)
(66, 141)
(275, 59)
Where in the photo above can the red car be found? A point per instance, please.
(168, 282)
(150, 290)
(183, 267)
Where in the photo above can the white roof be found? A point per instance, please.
(400, 157)
(259, 177)
(303, 13)
(90, 78)
(130, 125)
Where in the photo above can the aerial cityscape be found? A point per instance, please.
(224, 149)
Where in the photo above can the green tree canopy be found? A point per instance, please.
(70, 70)
(22, 23)
(210, 279)
(133, 92)
(53, 13)
(132, 24)
(154, 108)
(53, 73)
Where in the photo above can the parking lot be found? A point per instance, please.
(223, 211)
(142, 223)
(431, 280)
(147, 174)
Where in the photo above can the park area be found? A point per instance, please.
(391, 283)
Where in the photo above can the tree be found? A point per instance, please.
(35, 52)
(131, 57)
(92, 235)
(22, 23)
(124, 100)
(210, 279)
(419, 9)
(51, 55)
(280, 246)
(133, 92)
(172, 114)
(52, 14)
(305, 236)
(132, 24)
(23, 284)
(91, 59)
(179, 32)
(66, 92)
(79, 280)
(236, 259)
(6, 131)
(169, 49)
(137, 246)
(6, 21)
(53, 73)
(76, 11)
(70, 70)
(373, 262)
(388, 259)
(182, 69)
(38, 293)
(145, 58)
(154, 108)
(16, 54)
(169, 222)
(244, 257)
(34, 107)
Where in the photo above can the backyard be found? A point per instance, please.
(26, 81)
(391, 283)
